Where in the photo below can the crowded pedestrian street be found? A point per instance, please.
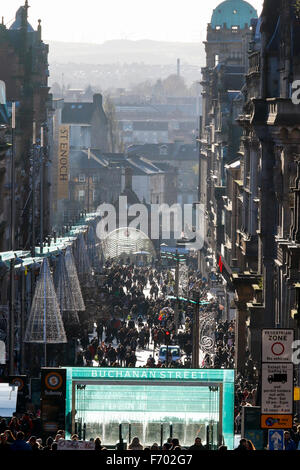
(150, 229)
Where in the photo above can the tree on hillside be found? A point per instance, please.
(144, 88)
(175, 86)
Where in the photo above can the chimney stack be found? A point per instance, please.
(178, 67)
(98, 100)
(128, 178)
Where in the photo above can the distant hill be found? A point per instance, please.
(122, 63)
(127, 51)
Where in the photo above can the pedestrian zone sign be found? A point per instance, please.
(277, 345)
(276, 439)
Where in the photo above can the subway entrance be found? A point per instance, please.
(152, 404)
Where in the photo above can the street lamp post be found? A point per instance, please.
(33, 190)
(196, 332)
(177, 257)
(12, 247)
(176, 314)
(42, 192)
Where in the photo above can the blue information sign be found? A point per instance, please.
(276, 439)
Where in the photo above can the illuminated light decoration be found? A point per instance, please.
(73, 278)
(93, 249)
(64, 292)
(84, 269)
(207, 332)
(45, 324)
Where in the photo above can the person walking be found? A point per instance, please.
(289, 444)
(20, 443)
(135, 444)
(197, 445)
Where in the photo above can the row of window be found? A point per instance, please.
(83, 178)
(234, 29)
(81, 195)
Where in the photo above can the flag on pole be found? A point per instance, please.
(220, 264)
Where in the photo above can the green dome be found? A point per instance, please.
(233, 13)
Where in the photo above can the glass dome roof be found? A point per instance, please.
(127, 241)
(233, 13)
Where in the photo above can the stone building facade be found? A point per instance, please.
(228, 36)
(271, 173)
(252, 197)
(24, 70)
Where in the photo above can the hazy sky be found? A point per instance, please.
(96, 21)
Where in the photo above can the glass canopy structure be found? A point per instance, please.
(127, 242)
(148, 402)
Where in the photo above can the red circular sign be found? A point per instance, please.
(53, 380)
(277, 349)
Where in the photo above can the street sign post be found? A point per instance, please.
(276, 439)
(277, 379)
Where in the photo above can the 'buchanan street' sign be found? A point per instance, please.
(151, 374)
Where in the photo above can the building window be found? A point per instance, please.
(81, 195)
(81, 178)
(163, 150)
(95, 179)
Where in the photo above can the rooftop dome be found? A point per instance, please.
(17, 24)
(233, 13)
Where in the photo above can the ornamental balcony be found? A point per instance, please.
(274, 112)
(254, 63)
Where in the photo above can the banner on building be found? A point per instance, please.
(63, 162)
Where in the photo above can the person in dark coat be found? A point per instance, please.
(197, 445)
(20, 443)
